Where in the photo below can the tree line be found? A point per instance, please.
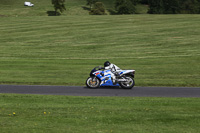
(128, 6)
(156, 6)
(174, 6)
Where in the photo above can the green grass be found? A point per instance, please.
(37, 49)
(98, 114)
(45, 8)
(163, 49)
(41, 8)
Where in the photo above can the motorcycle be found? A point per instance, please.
(99, 77)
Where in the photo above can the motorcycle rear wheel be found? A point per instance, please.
(129, 84)
(92, 82)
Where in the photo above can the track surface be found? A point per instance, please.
(105, 91)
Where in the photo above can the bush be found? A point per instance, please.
(91, 2)
(98, 9)
(124, 7)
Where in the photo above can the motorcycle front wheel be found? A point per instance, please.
(128, 84)
(92, 82)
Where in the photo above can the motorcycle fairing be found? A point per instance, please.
(106, 80)
(126, 71)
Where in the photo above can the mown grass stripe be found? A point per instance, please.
(156, 42)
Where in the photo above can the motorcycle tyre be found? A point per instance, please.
(128, 87)
(92, 87)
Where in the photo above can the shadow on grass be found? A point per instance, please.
(53, 13)
(112, 12)
(86, 8)
(2, 15)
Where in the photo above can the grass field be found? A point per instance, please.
(41, 8)
(45, 8)
(37, 113)
(163, 49)
(39, 49)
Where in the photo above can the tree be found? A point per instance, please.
(190, 6)
(91, 2)
(99, 9)
(174, 6)
(155, 7)
(171, 6)
(146, 2)
(135, 2)
(58, 5)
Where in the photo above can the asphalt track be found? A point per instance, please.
(103, 91)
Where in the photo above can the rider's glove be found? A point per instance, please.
(101, 68)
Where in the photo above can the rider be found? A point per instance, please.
(113, 68)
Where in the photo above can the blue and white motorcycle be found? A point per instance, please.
(100, 77)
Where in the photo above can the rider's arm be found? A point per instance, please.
(116, 67)
(107, 68)
(101, 68)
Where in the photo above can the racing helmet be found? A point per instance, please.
(107, 63)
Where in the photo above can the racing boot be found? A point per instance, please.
(114, 80)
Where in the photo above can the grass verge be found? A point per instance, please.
(39, 113)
